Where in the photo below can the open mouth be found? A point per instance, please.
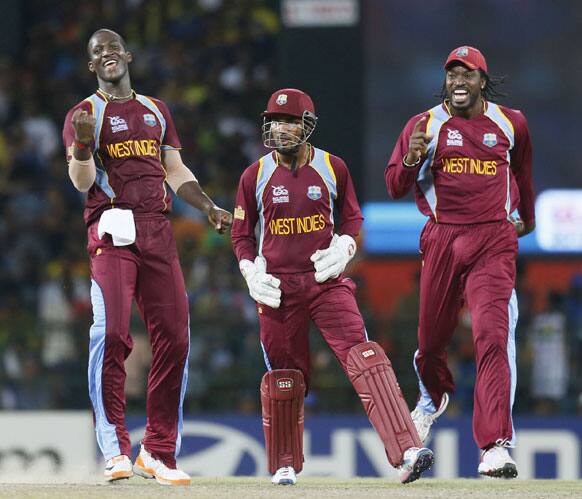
(111, 64)
(460, 96)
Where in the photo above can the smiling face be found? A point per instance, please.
(108, 57)
(463, 89)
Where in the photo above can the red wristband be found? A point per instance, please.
(81, 145)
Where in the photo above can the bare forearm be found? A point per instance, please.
(192, 193)
(528, 227)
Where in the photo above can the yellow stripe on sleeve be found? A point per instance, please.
(506, 119)
(328, 163)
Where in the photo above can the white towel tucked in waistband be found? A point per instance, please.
(119, 223)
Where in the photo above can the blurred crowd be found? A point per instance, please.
(214, 63)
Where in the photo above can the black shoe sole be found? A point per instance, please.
(423, 463)
(508, 471)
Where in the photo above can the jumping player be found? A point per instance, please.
(470, 160)
(122, 149)
(297, 276)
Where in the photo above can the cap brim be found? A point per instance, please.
(463, 62)
(280, 113)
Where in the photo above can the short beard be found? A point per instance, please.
(472, 102)
(289, 151)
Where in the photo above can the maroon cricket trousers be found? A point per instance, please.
(149, 271)
(472, 264)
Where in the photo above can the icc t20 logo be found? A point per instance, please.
(117, 123)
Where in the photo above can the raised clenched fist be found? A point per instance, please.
(84, 126)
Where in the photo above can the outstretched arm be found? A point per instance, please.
(184, 184)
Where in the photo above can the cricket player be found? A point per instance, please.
(471, 161)
(294, 271)
(123, 150)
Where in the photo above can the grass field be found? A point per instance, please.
(310, 487)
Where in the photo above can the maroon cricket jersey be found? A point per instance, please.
(295, 214)
(476, 170)
(129, 138)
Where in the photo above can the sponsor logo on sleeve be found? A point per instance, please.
(117, 124)
(489, 139)
(314, 192)
(149, 119)
(239, 213)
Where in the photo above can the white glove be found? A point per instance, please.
(331, 262)
(263, 287)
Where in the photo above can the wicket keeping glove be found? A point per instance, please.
(331, 262)
(263, 287)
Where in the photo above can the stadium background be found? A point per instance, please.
(215, 62)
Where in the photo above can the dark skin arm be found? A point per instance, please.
(192, 193)
(521, 228)
(84, 126)
(418, 143)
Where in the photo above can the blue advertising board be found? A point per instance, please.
(347, 446)
(394, 229)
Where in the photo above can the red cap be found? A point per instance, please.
(468, 56)
(289, 101)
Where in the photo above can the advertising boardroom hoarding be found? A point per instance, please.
(62, 445)
(394, 227)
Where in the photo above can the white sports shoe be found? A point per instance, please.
(416, 461)
(117, 468)
(423, 421)
(284, 476)
(496, 462)
(148, 467)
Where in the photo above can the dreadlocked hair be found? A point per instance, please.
(490, 92)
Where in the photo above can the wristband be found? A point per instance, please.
(81, 145)
(416, 163)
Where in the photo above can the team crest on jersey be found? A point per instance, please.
(280, 194)
(149, 119)
(281, 99)
(314, 192)
(117, 124)
(454, 138)
(490, 139)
